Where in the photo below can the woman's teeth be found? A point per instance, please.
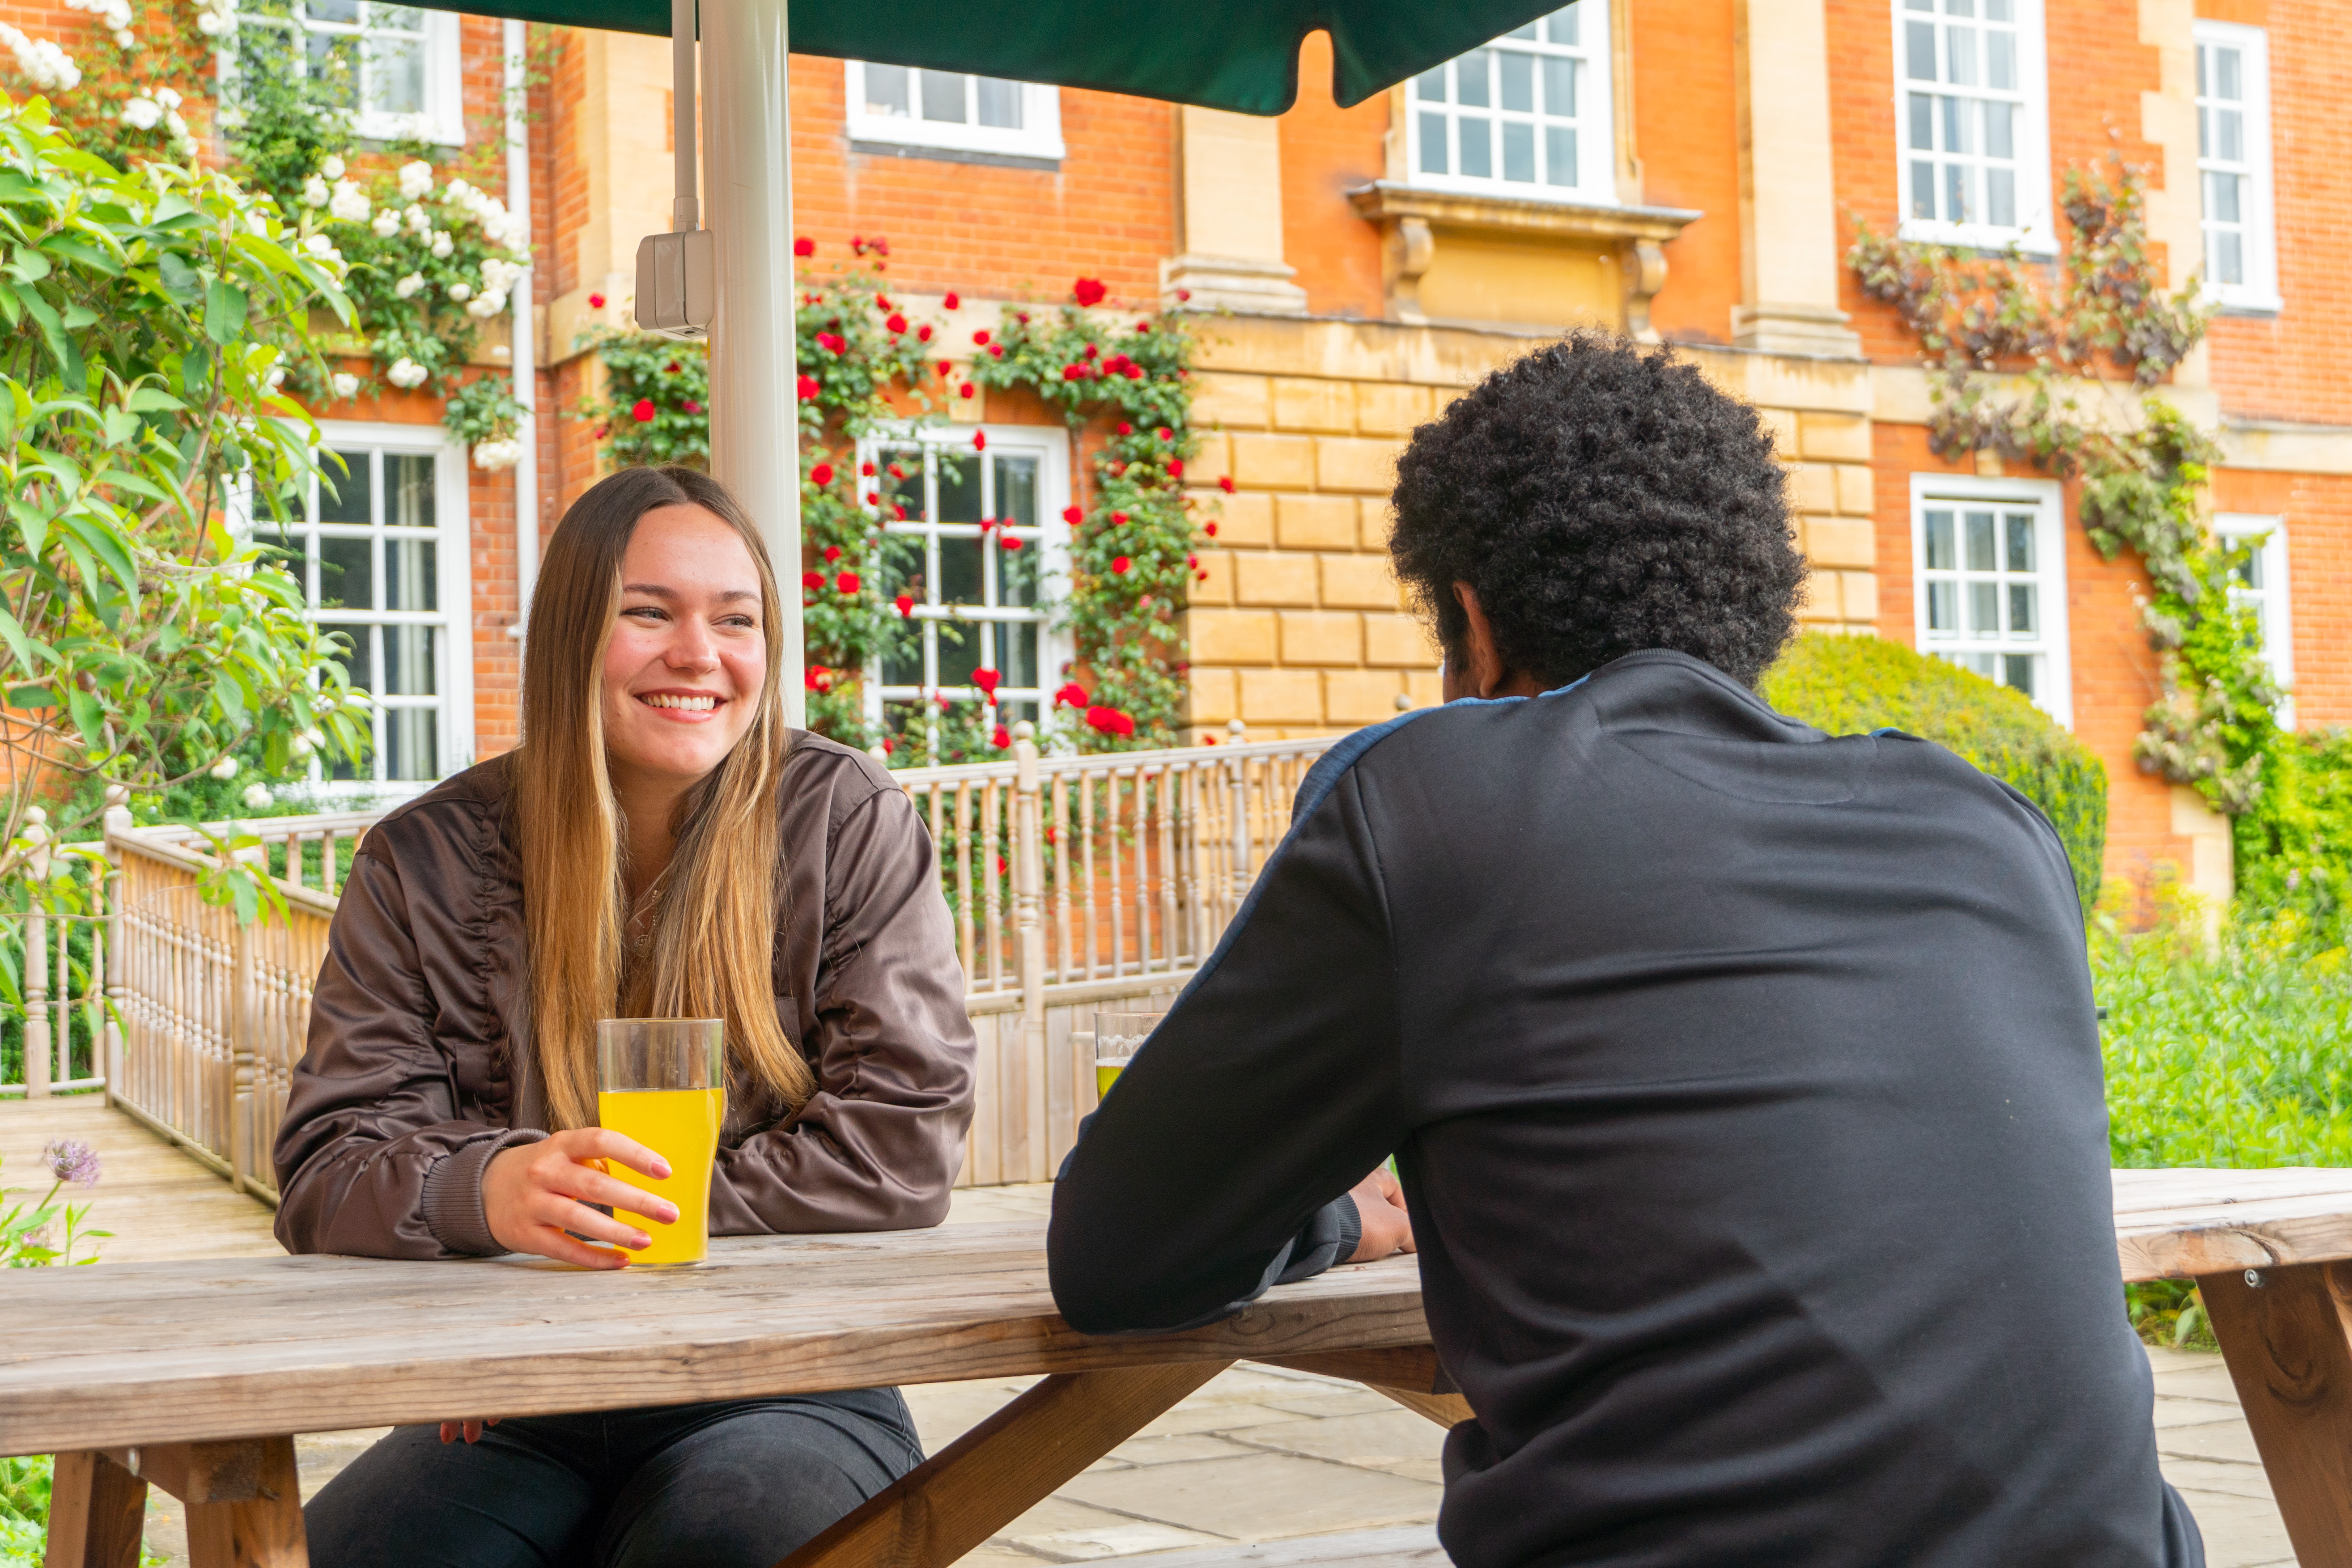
(692, 704)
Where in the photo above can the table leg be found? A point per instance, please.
(1409, 1375)
(993, 1473)
(2286, 1335)
(97, 1514)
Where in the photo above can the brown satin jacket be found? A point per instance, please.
(419, 1065)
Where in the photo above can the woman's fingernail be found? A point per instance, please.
(661, 1170)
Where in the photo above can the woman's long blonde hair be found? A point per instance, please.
(714, 934)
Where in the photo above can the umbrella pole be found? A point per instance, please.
(754, 416)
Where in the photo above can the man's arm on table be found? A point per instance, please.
(1217, 1164)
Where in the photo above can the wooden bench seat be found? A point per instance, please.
(1411, 1546)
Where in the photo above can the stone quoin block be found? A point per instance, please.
(1361, 697)
(1235, 401)
(1274, 462)
(1322, 407)
(1285, 582)
(1360, 582)
(1281, 697)
(1233, 637)
(1321, 637)
(1315, 522)
(1397, 641)
(1356, 463)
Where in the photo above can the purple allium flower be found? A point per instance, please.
(71, 1160)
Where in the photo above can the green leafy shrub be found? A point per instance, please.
(1850, 685)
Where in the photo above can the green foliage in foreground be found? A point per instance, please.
(1850, 685)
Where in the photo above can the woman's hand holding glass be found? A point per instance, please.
(533, 1193)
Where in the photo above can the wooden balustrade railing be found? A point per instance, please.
(1074, 882)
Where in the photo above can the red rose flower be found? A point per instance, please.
(670, 369)
(595, 302)
(603, 430)
(1000, 737)
(812, 581)
(1073, 694)
(1074, 372)
(1175, 468)
(1023, 318)
(803, 245)
(896, 323)
(831, 554)
(644, 412)
(1192, 560)
(691, 406)
(1212, 529)
(888, 746)
(980, 441)
(1183, 296)
(996, 350)
(951, 302)
(1089, 291)
(881, 302)
(820, 475)
(980, 336)
(947, 367)
(1225, 483)
(906, 603)
(817, 678)
(923, 334)
(808, 389)
(847, 582)
(1010, 541)
(1072, 515)
(1118, 520)
(966, 390)
(986, 680)
(1118, 568)
(1110, 721)
(1165, 434)
(866, 469)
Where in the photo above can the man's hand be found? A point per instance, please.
(533, 1193)
(471, 1429)
(1380, 1204)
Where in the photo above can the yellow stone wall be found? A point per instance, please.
(1300, 628)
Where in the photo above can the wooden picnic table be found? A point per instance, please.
(195, 1375)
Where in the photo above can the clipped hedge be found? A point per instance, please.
(1850, 685)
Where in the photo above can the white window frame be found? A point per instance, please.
(1051, 447)
(2266, 536)
(453, 567)
(2259, 291)
(2034, 230)
(1039, 135)
(442, 121)
(1596, 121)
(2055, 691)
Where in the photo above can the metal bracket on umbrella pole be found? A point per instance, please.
(678, 273)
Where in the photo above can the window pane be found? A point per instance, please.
(2229, 258)
(2017, 672)
(1432, 144)
(395, 20)
(2229, 75)
(1560, 155)
(1922, 189)
(1956, 193)
(1470, 78)
(1959, 8)
(345, 579)
(2221, 199)
(333, 59)
(1923, 122)
(1980, 555)
(1020, 654)
(1017, 570)
(885, 90)
(2000, 60)
(1943, 607)
(1519, 151)
(2001, 10)
(1919, 52)
(1527, 32)
(409, 743)
(1939, 542)
(1016, 490)
(2000, 123)
(958, 481)
(960, 570)
(943, 97)
(1959, 125)
(396, 83)
(409, 582)
(2022, 603)
(359, 661)
(1961, 52)
(1000, 103)
(1517, 72)
(2020, 525)
(961, 653)
(1561, 26)
(1477, 152)
(2204, 53)
(2229, 135)
(407, 490)
(1429, 86)
(344, 498)
(902, 566)
(2000, 198)
(1984, 609)
(408, 661)
(346, 12)
(1559, 87)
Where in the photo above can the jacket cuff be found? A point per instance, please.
(1352, 1228)
(453, 1194)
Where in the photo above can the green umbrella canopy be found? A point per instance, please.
(1222, 54)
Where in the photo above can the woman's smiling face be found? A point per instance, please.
(688, 652)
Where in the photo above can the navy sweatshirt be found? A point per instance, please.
(1745, 1085)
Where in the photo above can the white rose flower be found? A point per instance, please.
(345, 384)
(386, 225)
(41, 62)
(209, 23)
(142, 114)
(418, 223)
(487, 306)
(443, 246)
(497, 456)
(276, 378)
(225, 769)
(123, 40)
(332, 168)
(258, 222)
(406, 289)
(301, 746)
(405, 373)
(314, 192)
(461, 292)
(166, 96)
(318, 741)
(322, 248)
(348, 203)
(416, 181)
(255, 796)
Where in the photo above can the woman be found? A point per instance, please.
(660, 845)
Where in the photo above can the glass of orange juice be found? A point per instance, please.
(1118, 1037)
(663, 1082)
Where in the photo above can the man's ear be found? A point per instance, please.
(1484, 673)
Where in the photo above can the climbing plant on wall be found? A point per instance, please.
(1124, 386)
(2056, 367)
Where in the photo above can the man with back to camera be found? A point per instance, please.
(1744, 1082)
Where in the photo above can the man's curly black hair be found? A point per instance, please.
(1601, 498)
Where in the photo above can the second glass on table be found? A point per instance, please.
(1118, 1037)
(663, 1082)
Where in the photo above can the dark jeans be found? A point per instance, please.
(733, 1485)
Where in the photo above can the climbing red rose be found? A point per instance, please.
(803, 246)
(809, 388)
(691, 406)
(1225, 483)
(818, 678)
(595, 302)
(820, 475)
(951, 301)
(1118, 568)
(847, 582)
(1175, 468)
(980, 441)
(831, 554)
(1008, 541)
(812, 581)
(986, 680)
(1089, 291)
(906, 603)
(1072, 694)
(1073, 515)
(644, 412)
(1000, 737)
(1110, 721)
(896, 323)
